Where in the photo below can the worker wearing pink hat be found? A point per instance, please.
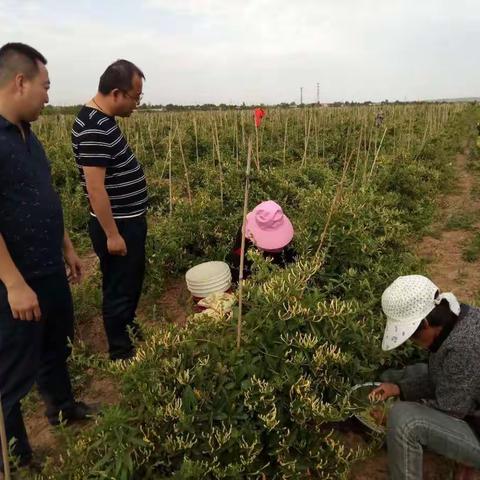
(268, 229)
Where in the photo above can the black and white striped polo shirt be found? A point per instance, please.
(97, 141)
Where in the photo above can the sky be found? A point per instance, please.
(256, 51)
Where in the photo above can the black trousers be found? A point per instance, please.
(122, 281)
(32, 352)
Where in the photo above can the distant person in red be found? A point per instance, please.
(269, 230)
(259, 114)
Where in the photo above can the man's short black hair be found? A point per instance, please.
(119, 75)
(18, 58)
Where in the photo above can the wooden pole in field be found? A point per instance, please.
(216, 142)
(242, 248)
(169, 153)
(306, 138)
(285, 141)
(257, 158)
(376, 154)
(196, 137)
(3, 441)
(185, 169)
(335, 202)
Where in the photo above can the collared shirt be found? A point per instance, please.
(31, 219)
(97, 141)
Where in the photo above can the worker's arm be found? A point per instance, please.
(97, 194)
(71, 259)
(22, 299)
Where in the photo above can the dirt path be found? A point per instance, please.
(443, 252)
(446, 265)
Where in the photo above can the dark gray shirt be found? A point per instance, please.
(31, 219)
(452, 383)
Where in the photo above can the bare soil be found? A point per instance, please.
(175, 304)
(100, 390)
(446, 266)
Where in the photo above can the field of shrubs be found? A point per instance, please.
(192, 405)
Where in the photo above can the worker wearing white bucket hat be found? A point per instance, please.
(440, 410)
(408, 301)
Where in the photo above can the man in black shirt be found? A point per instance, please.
(115, 185)
(36, 311)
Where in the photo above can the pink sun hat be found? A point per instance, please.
(268, 227)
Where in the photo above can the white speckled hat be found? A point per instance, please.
(406, 302)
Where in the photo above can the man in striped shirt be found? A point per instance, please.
(115, 185)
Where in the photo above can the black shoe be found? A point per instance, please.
(123, 355)
(78, 412)
(33, 465)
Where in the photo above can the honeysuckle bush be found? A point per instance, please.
(193, 405)
(196, 407)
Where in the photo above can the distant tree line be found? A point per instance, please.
(170, 107)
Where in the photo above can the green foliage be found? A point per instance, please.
(195, 407)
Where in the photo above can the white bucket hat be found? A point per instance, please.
(406, 302)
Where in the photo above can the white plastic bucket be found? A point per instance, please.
(222, 278)
(207, 278)
(210, 285)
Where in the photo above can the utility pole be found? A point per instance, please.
(318, 93)
(301, 95)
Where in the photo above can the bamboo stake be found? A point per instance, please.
(243, 129)
(220, 169)
(367, 155)
(376, 154)
(170, 195)
(196, 136)
(236, 143)
(165, 164)
(285, 140)
(306, 139)
(424, 141)
(323, 140)
(335, 202)
(213, 146)
(142, 143)
(358, 156)
(409, 134)
(3, 441)
(257, 157)
(394, 135)
(242, 248)
(189, 192)
(151, 144)
(170, 139)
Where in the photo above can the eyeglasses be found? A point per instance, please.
(137, 99)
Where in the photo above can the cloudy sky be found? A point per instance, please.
(229, 51)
